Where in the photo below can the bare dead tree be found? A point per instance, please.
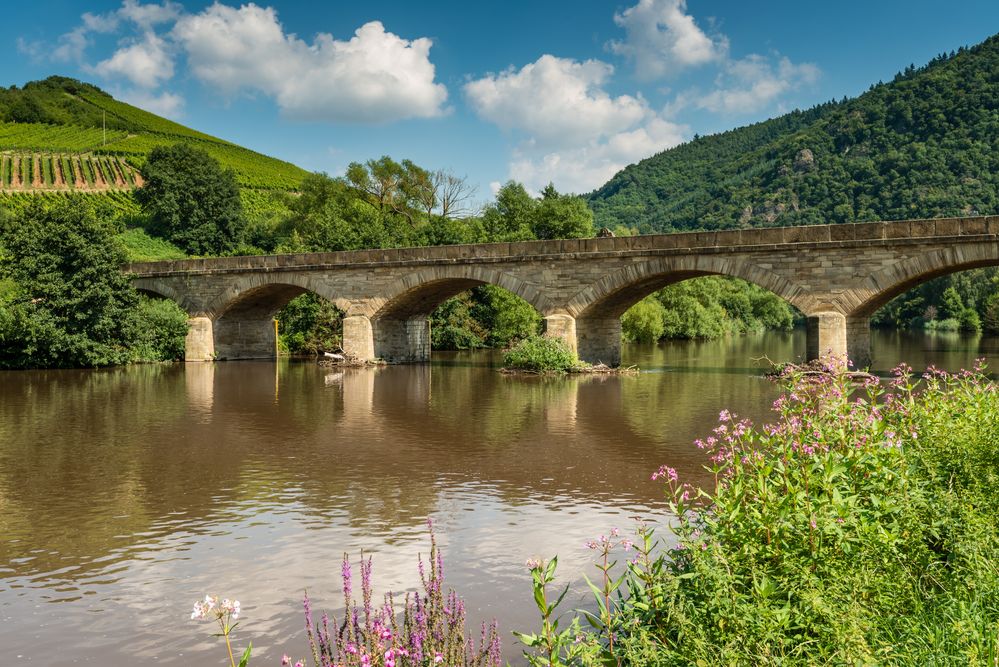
(453, 194)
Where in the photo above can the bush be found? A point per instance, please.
(862, 527)
(643, 322)
(541, 354)
(949, 324)
(160, 330)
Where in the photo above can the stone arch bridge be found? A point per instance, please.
(837, 275)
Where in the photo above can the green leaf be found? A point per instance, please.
(245, 660)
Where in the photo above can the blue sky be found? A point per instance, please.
(539, 91)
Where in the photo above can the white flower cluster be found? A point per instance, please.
(211, 606)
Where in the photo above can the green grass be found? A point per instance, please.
(141, 247)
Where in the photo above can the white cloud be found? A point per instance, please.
(752, 83)
(146, 16)
(584, 168)
(663, 39)
(72, 44)
(146, 62)
(574, 134)
(555, 100)
(166, 104)
(376, 76)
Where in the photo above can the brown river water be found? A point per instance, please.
(127, 494)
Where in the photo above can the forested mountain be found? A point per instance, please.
(925, 144)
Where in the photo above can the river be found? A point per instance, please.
(127, 494)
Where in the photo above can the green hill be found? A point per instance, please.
(924, 144)
(62, 134)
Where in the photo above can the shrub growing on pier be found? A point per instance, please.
(862, 527)
(541, 354)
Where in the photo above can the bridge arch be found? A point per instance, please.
(161, 289)
(400, 328)
(597, 309)
(902, 276)
(243, 314)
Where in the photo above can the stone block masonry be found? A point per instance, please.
(836, 275)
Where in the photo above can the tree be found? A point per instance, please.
(511, 216)
(643, 322)
(67, 302)
(191, 200)
(561, 216)
(951, 304)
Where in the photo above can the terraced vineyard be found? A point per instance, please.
(21, 172)
(77, 137)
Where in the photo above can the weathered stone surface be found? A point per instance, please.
(824, 270)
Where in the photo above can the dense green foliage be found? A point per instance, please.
(159, 329)
(541, 354)
(709, 307)
(862, 527)
(61, 114)
(309, 325)
(191, 201)
(65, 302)
(966, 298)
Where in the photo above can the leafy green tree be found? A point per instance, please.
(643, 322)
(310, 324)
(951, 304)
(191, 201)
(67, 302)
(512, 216)
(504, 315)
(561, 216)
(452, 326)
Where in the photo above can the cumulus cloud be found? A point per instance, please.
(663, 39)
(574, 133)
(555, 100)
(754, 82)
(375, 76)
(166, 104)
(584, 168)
(147, 16)
(73, 44)
(146, 63)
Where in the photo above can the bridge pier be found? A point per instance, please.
(245, 338)
(858, 341)
(200, 342)
(562, 327)
(599, 340)
(405, 340)
(358, 338)
(825, 336)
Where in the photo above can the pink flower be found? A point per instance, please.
(438, 658)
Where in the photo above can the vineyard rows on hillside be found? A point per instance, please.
(27, 172)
